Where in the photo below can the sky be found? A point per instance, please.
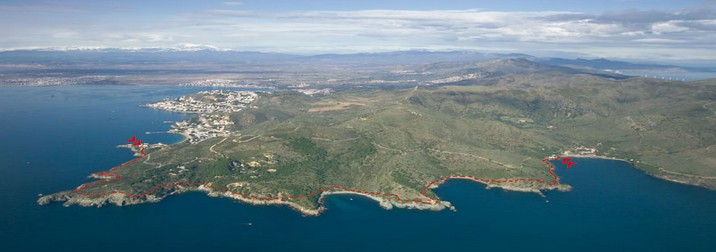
(656, 30)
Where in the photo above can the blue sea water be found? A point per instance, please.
(51, 138)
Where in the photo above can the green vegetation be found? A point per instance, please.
(397, 141)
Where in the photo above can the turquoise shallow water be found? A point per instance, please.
(53, 137)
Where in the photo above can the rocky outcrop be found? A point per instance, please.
(114, 199)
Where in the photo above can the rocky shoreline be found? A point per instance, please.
(389, 204)
(114, 199)
(70, 197)
(663, 176)
(682, 179)
(385, 203)
(121, 200)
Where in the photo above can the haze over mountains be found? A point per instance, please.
(120, 63)
(207, 54)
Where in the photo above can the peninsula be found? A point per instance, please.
(396, 145)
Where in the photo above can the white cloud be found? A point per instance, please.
(667, 27)
(659, 40)
(233, 3)
(644, 34)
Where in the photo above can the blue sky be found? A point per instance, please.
(621, 29)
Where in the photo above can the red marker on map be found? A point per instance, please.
(570, 164)
(133, 139)
(565, 160)
(137, 143)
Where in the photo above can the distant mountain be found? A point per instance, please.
(703, 71)
(138, 56)
(207, 55)
(192, 55)
(602, 64)
(411, 57)
(522, 68)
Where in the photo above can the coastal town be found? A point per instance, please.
(57, 80)
(207, 102)
(214, 107)
(224, 83)
(203, 127)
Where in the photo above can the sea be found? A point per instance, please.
(51, 138)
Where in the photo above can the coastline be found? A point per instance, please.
(597, 157)
(186, 136)
(389, 204)
(304, 211)
(681, 179)
(508, 187)
(686, 179)
(385, 203)
(382, 202)
(434, 203)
